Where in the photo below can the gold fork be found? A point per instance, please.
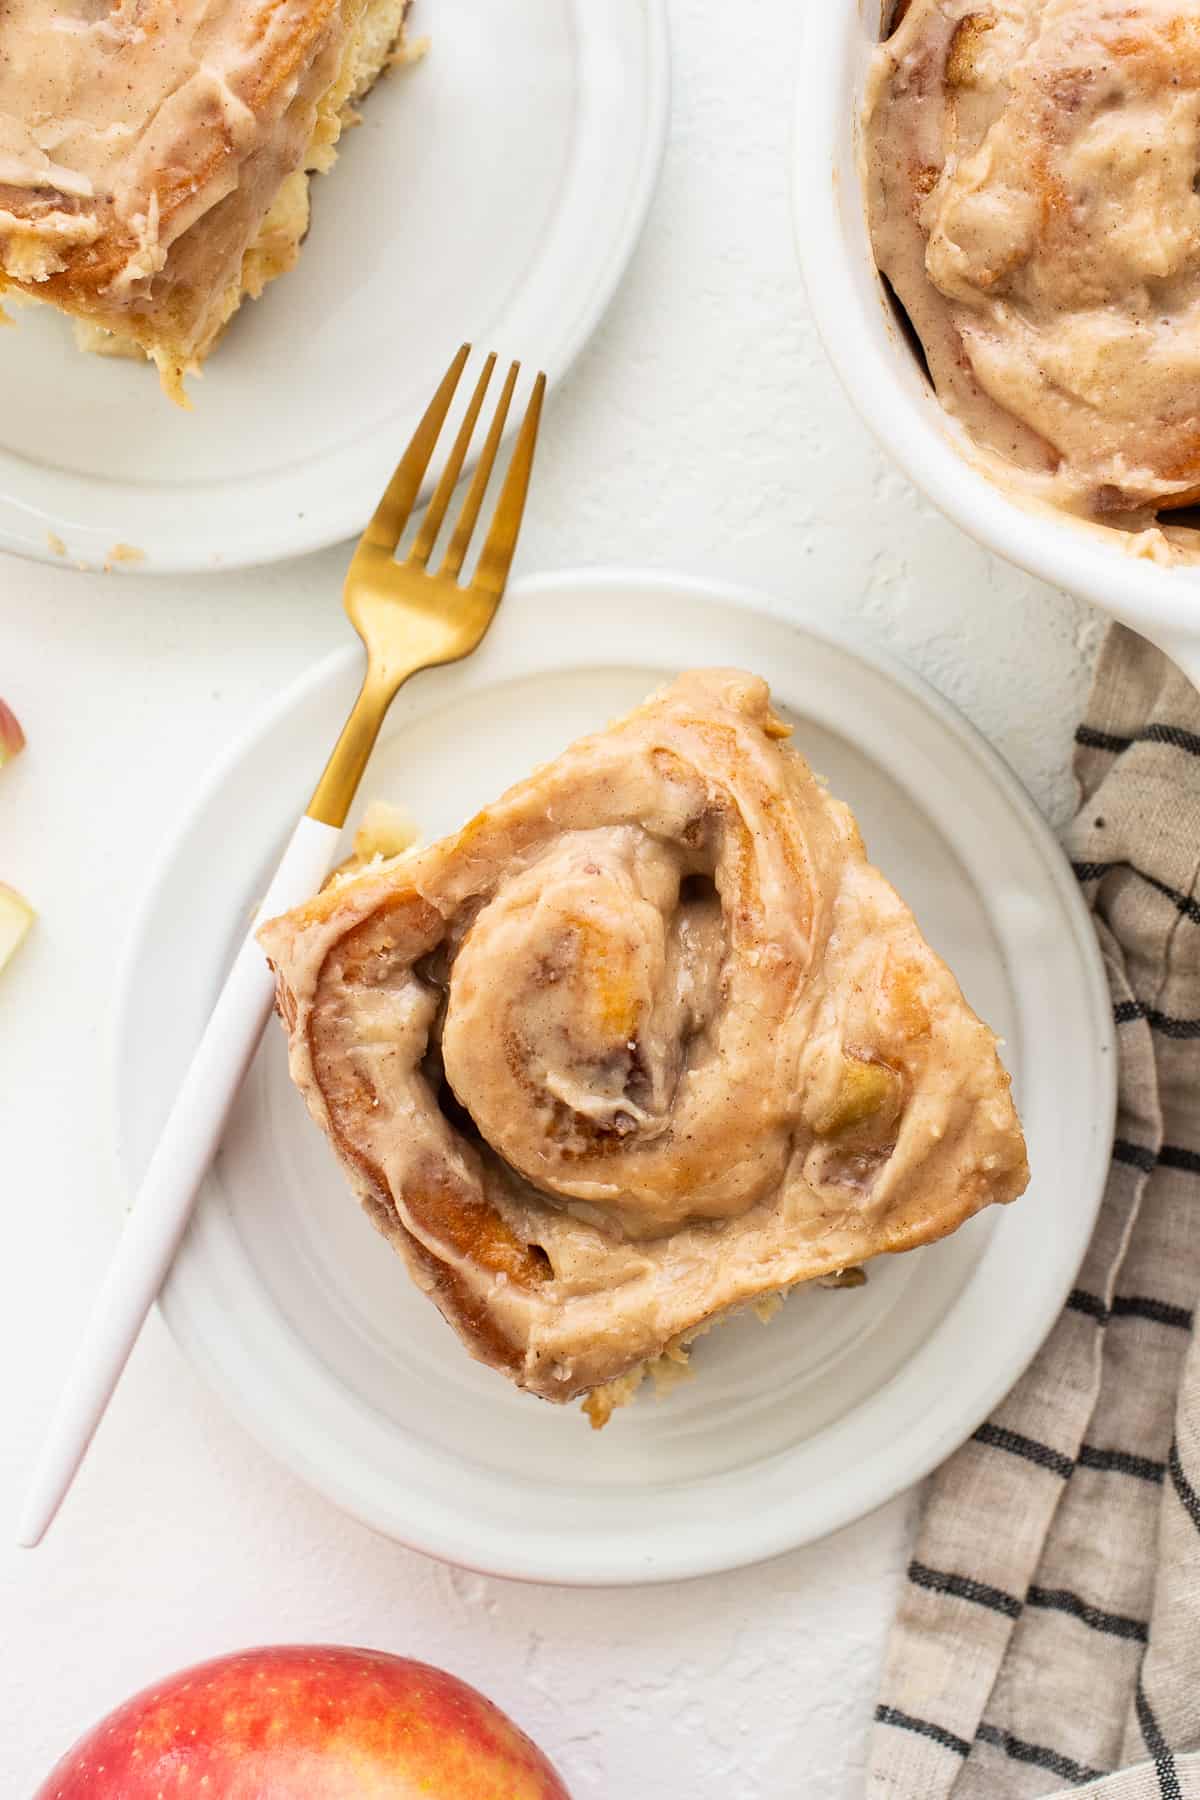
(410, 618)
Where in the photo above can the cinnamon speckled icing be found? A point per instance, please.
(1032, 170)
(648, 1039)
(142, 145)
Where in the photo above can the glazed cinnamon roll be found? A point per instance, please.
(647, 1040)
(154, 157)
(1033, 202)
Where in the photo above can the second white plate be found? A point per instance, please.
(305, 1320)
(493, 194)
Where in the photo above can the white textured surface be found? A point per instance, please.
(703, 431)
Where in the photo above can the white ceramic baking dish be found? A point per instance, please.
(886, 384)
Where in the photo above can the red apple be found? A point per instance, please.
(304, 1722)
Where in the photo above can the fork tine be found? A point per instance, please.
(391, 515)
(457, 550)
(435, 512)
(497, 553)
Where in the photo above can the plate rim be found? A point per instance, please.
(24, 530)
(943, 1438)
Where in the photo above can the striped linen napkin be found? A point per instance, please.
(1048, 1636)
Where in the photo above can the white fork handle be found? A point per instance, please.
(164, 1203)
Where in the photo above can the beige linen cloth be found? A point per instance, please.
(1048, 1636)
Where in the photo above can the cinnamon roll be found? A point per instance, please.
(647, 1040)
(1033, 202)
(154, 157)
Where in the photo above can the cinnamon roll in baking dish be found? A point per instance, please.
(1032, 176)
(154, 157)
(647, 1040)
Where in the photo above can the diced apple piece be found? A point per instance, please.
(16, 916)
(12, 738)
(386, 830)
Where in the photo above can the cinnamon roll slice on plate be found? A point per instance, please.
(154, 158)
(647, 1041)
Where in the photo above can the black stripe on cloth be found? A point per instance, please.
(1171, 1156)
(1130, 1306)
(891, 1715)
(1138, 1156)
(1113, 1624)
(1090, 739)
(1017, 1444)
(1173, 735)
(965, 1587)
(1159, 1312)
(1096, 871)
(1065, 1767)
(1120, 1462)
(1188, 1497)
(1157, 1745)
(1166, 1024)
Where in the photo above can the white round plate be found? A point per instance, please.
(493, 194)
(302, 1316)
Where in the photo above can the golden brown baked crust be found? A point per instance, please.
(1031, 179)
(647, 1040)
(152, 156)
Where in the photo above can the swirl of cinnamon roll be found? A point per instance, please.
(647, 1039)
(1032, 190)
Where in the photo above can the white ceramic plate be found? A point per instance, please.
(493, 194)
(304, 1319)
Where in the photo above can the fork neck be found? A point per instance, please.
(334, 794)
